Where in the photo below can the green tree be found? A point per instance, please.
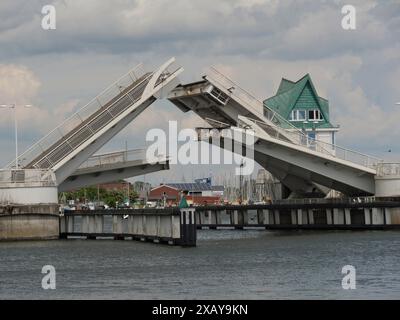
(109, 197)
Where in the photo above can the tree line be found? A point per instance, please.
(95, 194)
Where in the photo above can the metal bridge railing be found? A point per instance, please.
(117, 157)
(80, 120)
(388, 169)
(251, 102)
(341, 200)
(113, 157)
(27, 177)
(278, 127)
(323, 147)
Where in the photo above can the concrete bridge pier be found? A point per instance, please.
(277, 217)
(311, 217)
(378, 216)
(263, 216)
(28, 205)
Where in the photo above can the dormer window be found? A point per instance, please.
(297, 115)
(315, 115)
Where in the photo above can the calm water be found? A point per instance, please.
(225, 265)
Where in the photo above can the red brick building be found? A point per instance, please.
(171, 195)
(199, 194)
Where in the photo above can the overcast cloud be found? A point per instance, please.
(255, 42)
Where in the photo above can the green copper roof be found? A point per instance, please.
(299, 95)
(285, 85)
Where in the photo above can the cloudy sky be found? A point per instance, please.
(255, 42)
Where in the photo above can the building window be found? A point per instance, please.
(315, 115)
(297, 115)
(301, 115)
(311, 140)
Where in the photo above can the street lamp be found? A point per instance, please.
(14, 106)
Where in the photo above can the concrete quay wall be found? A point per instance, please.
(29, 222)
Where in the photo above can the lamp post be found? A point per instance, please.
(14, 106)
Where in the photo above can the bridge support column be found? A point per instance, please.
(70, 224)
(293, 215)
(271, 216)
(88, 226)
(151, 225)
(347, 216)
(329, 216)
(131, 226)
(209, 215)
(245, 217)
(277, 219)
(338, 216)
(198, 217)
(236, 218)
(263, 216)
(203, 218)
(214, 217)
(138, 225)
(117, 224)
(85, 224)
(300, 217)
(92, 224)
(388, 215)
(310, 213)
(378, 216)
(218, 217)
(367, 215)
(165, 226)
(227, 217)
(63, 226)
(175, 227)
(158, 225)
(91, 221)
(232, 217)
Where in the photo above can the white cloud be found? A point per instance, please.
(18, 84)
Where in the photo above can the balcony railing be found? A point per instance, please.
(114, 157)
(27, 178)
(323, 147)
(388, 169)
